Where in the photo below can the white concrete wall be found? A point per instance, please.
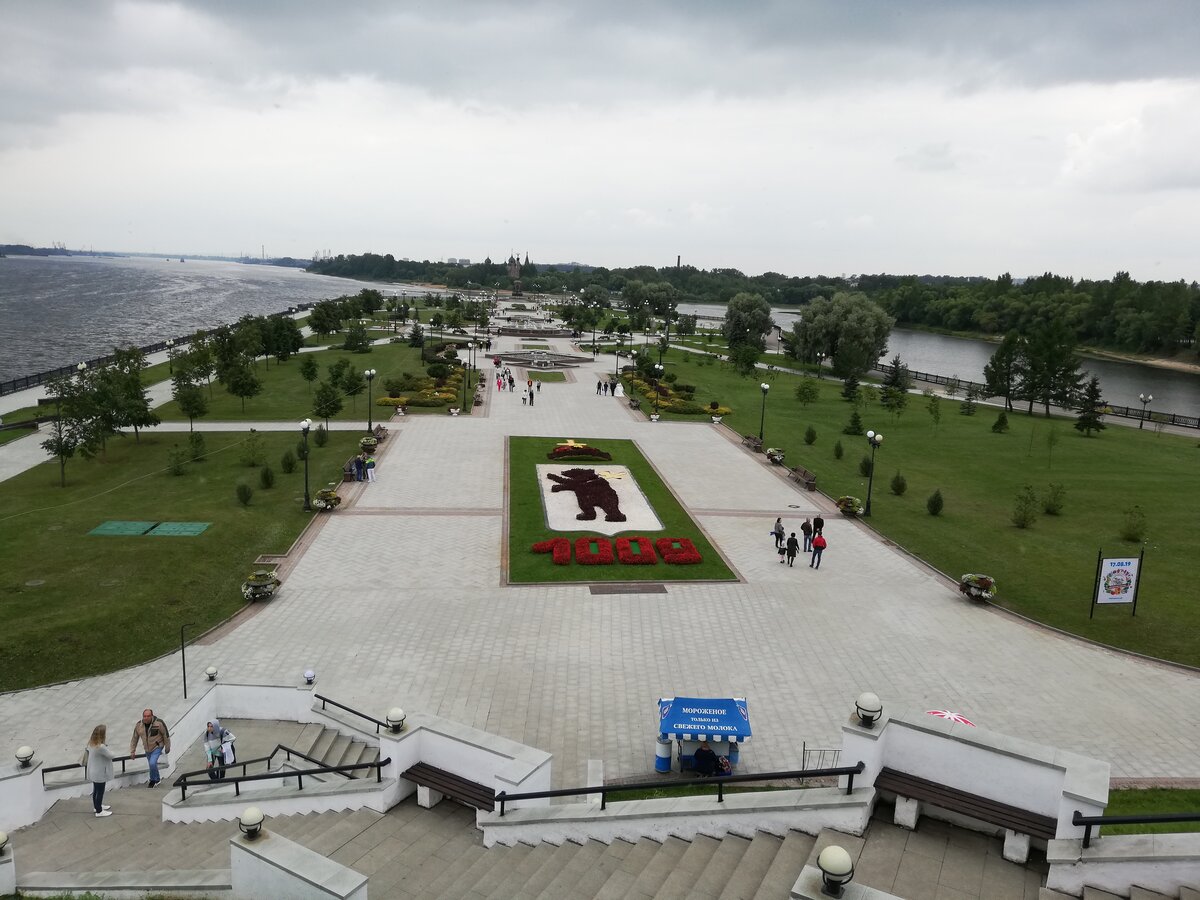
(1156, 862)
(329, 797)
(272, 866)
(22, 799)
(8, 872)
(1030, 776)
(742, 814)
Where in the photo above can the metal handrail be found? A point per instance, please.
(183, 784)
(117, 759)
(361, 715)
(604, 790)
(1146, 819)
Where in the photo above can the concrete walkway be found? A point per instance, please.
(399, 599)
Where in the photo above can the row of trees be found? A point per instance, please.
(92, 405)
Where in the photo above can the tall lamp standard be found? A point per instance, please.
(595, 316)
(171, 355)
(874, 438)
(306, 424)
(370, 376)
(658, 370)
(1145, 398)
(762, 419)
(617, 362)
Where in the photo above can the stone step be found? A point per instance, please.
(786, 866)
(1046, 893)
(548, 871)
(514, 857)
(679, 884)
(463, 873)
(181, 882)
(322, 744)
(333, 755)
(1141, 893)
(1092, 893)
(1189, 893)
(342, 831)
(598, 873)
(659, 867)
(565, 884)
(725, 859)
(510, 882)
(623, 877)
(308, 738)
(744, 881)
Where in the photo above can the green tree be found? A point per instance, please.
(855, 425)
(899, 484)
(352, 384)
(894, 400)
(1025, 507)
(1000, 426)
(807, 391)
(325, 317)
(327, 401)
(935, 503)
(1091, 408)
(73, 430)
(850, 328)
(191, 400)
(1004, 370)
(744, 359)
(286, 338)
(933, 403)
(242, 382)
(357, 340)
(810, 435)
(747, 320)
(310, 370)
(899, 377)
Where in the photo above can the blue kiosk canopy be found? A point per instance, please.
(704, 719)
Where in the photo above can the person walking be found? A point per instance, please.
(218, 749)
(598, 386)
(524, 397)
(778, 532)
(531, 393)
(98, 766)
(153, 734)
(539, 385)
(818, 547)
(818, 525)
(806, 530)
(793, 547)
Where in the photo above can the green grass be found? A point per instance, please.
(527, 522)
(25, 414)
(1152, 802)
(286, 396)
(1046, 571)
(547, 377)
(107, 602)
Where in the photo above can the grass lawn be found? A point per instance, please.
(1152, 802)
(286, 396)
(1045, 571)
(548, 377)
(74, 604)
(25, 414)
(527, 522)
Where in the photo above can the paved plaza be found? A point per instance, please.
(399, 598)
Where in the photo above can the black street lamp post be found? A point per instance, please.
(658, 370)
(370, 376)
(1145, 398)
(874, 438)
(617, 354)
(171, 356)
(304, 426)
(762, 419)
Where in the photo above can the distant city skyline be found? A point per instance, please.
(948, 138)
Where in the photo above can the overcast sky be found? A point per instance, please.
(952, 137)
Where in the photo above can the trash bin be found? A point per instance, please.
(662, 755)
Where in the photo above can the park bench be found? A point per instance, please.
(380, 433)
(635, 403)
(1021, 821)
(348, 469)
(799, 473)
(752, 442)
(448, 784)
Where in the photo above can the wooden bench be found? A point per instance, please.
(799, 473)
(450, 785)
(635, 403)
(348, 469)
(380, 433)
(1022, 821)
(752, 442)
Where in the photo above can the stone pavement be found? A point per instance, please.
(399, 599)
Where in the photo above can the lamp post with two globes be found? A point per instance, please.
(874, 438)
(305, 425)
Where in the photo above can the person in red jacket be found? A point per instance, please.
(818, 547)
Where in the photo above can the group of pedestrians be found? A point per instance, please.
(604, 388)
(364, 466)
(152, 734)
(788, 548)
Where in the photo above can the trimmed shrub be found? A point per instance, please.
(301, 450)
(935, 503)
(854, 426)
(321, 436)
(864, 467)
(438, 371)
(266, 478)
(1054, 500)
(253, 452)
(838, 450)
(1025, 506)
(1133, 525)
(196, 446)
(177, 459)
(810, 435)
(287, 462)
(244, 493)
(1000, 426)
(899, 484)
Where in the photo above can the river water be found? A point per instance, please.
(1120, 382)
(57, 310)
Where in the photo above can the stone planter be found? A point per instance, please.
(716, 420)
(455, 410)
(261, 585)
(654, 417)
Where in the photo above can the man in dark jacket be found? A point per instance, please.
(793, 547)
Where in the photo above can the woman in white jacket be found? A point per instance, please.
(98, 763)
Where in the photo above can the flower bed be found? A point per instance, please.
(571, 450)
(326, 499)
(981, 587)
(598, 551)
(849, 506)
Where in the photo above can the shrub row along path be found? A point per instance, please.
(399, 599)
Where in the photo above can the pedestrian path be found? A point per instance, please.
(400, 600)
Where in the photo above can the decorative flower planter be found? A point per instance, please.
(455, 410)
(716, 420)
(775, 456)
(654, 417)
(260, 585)
(368, 443)
(977, 587)
(850, 507)
(326, 499)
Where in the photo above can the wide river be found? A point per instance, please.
(1120, 382)
(58, 310)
